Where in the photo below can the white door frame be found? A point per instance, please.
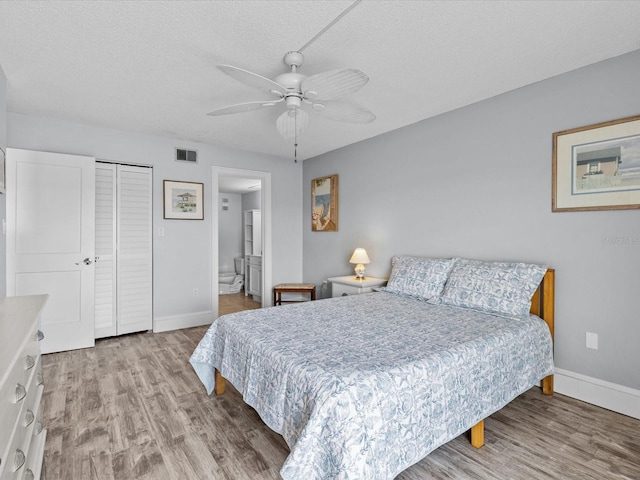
(265, 206)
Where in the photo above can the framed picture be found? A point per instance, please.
(183, 200)
(2, 172)
(597, 167)
(324, 204)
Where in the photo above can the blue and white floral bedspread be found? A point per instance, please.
(362, 387)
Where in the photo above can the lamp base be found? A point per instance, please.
(359, 271)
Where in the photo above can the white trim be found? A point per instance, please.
(611, 396)
(187, 320)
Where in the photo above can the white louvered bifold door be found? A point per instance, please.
(134, 258)
(123, 249)
(105, 265)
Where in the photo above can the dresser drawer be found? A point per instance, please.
(25, 434)
(14, 458)
(338, 290)
(16, 390)
(21, 432)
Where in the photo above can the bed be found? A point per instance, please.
(365, 386)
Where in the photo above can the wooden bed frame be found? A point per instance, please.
(542, 305)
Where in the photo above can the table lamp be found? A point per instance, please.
(360, 258)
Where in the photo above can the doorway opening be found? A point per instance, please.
(241, 240)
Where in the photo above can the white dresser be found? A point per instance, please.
(22, 434)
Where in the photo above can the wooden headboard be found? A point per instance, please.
(543, 305)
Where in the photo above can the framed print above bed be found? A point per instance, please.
(597, 167)
(324, 204)
(183, 200)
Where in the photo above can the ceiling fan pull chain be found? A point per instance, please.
(295, 140)
(335, 20)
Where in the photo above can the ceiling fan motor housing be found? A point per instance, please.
(293, 59)
(292, 81)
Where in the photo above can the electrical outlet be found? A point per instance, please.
(195, 292)
(592, 340)
(161, 231)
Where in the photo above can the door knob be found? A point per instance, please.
(86, 261)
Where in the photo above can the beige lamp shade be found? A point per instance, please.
(361, 258)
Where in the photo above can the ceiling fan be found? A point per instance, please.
(323, 93)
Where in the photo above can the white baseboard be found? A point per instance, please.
(175, 322)
(611, 396)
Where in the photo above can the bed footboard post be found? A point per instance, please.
(477, 434)
(220, 382)
(548, 314)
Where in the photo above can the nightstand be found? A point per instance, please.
(350, 285)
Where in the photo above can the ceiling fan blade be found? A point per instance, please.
(333, 84)
(244, 107)
(292, 123)
(344, 112)
(252, 79)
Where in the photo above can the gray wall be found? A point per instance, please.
(3, 198)
(251, 201)
(476, 182)
(184, 252)
(230, 231)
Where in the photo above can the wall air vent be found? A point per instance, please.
(188, 156)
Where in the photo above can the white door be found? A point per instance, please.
(106, 213)
(50, 241)
(123, 249)
(135, 258)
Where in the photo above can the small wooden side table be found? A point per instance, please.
(281, 288)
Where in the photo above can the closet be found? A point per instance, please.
(123, 261)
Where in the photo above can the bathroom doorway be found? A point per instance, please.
(241, 241)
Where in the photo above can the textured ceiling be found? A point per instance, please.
(150, 66)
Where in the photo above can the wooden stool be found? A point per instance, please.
(281, 288)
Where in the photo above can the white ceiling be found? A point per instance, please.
(228, 184)
(150, 66)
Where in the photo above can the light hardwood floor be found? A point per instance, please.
(132, 408)
(236, 302)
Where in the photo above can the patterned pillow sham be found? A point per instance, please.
(418, 277)
(501, 288)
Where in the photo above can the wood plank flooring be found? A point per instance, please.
(132, 408)
(236, 302)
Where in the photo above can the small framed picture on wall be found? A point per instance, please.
(324, 204)
(183, 200)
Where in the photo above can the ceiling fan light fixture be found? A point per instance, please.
(292, 123)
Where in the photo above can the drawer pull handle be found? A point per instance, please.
(28, 474)
(39, 427)
(29, 362)
(18, 460)
(39, 378)
(29, 417)
(21, 392)
(40, 335)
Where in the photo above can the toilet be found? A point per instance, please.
(230, 282)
